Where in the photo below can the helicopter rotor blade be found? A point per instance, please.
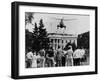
(55, 18)
(69, 19)
(63, 19)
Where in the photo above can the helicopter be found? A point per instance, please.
(61, 23)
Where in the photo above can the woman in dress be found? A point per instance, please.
(34, 60)
(41, 58)
(69, 56)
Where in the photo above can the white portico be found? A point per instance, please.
(61, 40)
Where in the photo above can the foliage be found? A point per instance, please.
(28, 17)
(67, 45)
(28, 40)
(83, 40)
(74, 46)
(38, 39)
(43, 36)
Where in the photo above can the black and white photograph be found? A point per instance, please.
(51, 40)
(56, 40)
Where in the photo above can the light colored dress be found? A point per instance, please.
(40, 61)
(34, 61)
(70, 57)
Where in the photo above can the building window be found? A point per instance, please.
(51, 40)
(62, 47)
(58, 46)
(66, 41)
(73, 41)
(58, 40)
(62, 41)
(70, 41)
(55, 40)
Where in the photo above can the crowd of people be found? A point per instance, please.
(54, 58)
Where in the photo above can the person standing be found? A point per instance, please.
(38, 60)
(69, 56)
(29, 57)
(34, 60)
(42, 57)
(59, 57)
(50, 57)
(64, 57)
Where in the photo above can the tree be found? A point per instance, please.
(83, 40)
(74, 46)
(28, 40)
(36, 31)
(35, 44)
(67, 45)
(43, 36)
(28, 35)
(28, 17)
(40, 37)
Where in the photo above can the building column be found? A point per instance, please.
(53, 43)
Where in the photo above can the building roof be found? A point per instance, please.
(61, 35)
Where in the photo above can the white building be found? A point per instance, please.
(57, 39)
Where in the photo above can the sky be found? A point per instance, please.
(80, 23)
